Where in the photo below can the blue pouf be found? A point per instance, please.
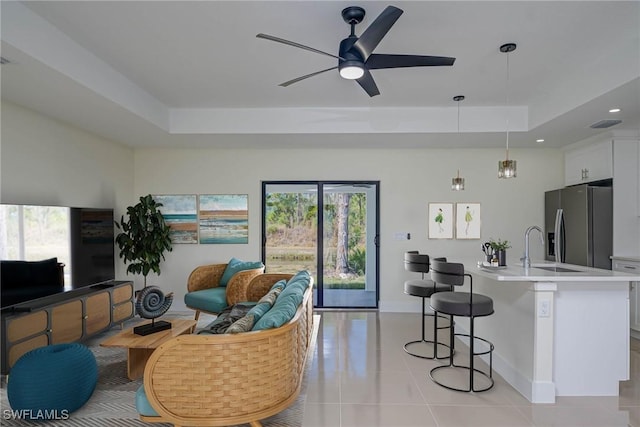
(55, 380)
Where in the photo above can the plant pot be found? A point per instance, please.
(502, 257)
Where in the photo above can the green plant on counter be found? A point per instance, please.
(499, 245)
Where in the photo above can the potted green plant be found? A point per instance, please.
(144, 238)
(499, 248)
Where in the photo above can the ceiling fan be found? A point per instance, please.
(355, 56)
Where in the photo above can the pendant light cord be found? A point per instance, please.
(458, 120)
(507, 157)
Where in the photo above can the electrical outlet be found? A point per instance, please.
(544, 308)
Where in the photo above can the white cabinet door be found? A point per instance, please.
(626, 200)
(589, 164)
(634, 292)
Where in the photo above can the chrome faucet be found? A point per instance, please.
(526, 261)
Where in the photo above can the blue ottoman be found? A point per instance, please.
(56, 379)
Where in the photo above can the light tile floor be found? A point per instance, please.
(361, 376)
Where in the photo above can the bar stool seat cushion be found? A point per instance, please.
(457, 304)
(423, 288)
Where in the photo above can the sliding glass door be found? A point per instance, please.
(330, 229)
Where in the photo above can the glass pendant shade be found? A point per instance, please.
(506, 168)
(457, 184)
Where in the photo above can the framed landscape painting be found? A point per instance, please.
(468, 221)
(440, 220)
(180, 212)
(224, 218)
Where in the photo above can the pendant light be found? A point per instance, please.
(457, 183)
(507, 168)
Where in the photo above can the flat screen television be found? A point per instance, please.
(80, 239)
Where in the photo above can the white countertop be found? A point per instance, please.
(626, 258)
(517, 273)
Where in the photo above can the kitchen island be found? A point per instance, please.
(558, 329)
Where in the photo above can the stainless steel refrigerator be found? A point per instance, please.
(578, 224)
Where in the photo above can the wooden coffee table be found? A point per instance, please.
(140, 347)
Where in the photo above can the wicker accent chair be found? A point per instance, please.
(231, 379)
(208, 277)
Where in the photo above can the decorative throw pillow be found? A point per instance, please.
(267, 301)
(235, 265)
(243, 324)
(282, 311)
(298, 284)
(286, 304)
(270, 297)
(300, 280)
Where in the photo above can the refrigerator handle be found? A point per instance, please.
(559, 236)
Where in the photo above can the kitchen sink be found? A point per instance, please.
(558, 269)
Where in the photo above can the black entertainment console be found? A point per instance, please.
(64, 317)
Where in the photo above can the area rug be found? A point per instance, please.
(113, 401)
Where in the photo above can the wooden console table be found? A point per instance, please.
(140, 347)
(66, 317)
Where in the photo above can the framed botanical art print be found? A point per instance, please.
(468, 221)
(441, 220)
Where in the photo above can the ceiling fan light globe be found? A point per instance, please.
(351, 70)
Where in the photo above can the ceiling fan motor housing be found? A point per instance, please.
(349, 57)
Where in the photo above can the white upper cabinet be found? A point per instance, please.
(626, 197)
(588, 164)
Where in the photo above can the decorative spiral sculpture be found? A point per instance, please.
(152, 302)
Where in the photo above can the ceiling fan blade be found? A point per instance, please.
(378, 61)
(376, 31)
(297, 79)
(368, 84)
(294, 44)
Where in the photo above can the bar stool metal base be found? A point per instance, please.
(430, 342)
(471, 368)
(441, 384)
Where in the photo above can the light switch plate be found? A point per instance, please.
(401, 235)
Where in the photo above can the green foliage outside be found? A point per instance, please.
(45, 233)
(291, 220)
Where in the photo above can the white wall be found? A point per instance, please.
(46, 162)
(43, 161)
(409, 180)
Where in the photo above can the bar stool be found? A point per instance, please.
(466, 304)
(423, 288)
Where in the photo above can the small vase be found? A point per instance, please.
(502, 258)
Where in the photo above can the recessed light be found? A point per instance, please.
(614, 110)
(540, 140)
